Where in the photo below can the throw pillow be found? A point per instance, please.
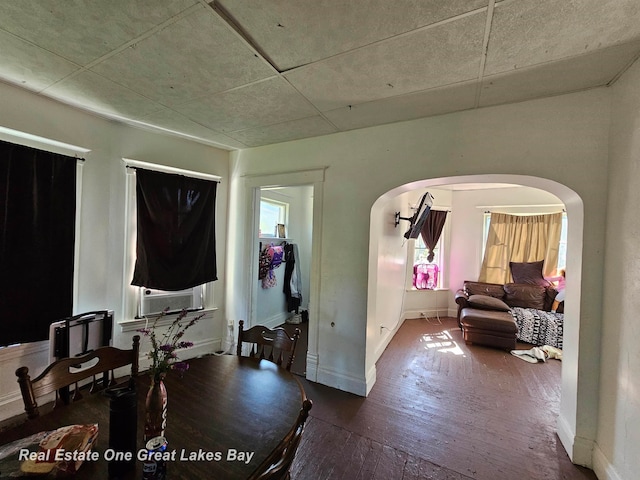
(528, 272)
(482, 288)
(485, 302)
(525, 296)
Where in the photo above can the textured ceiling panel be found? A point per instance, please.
(295, 33)
(95, 93)
(30, 66)
(442, 55)
(193, 57)
(529, 32)
(84, 30)
(240, 72)
(264, 103)
(405, 107)
(558, 77)
(284, 132)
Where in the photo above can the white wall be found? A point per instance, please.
(616, 455)
(530, 139)
(101, 265)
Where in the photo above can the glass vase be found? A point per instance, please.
(155, 409)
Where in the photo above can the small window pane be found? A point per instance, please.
(271, 214)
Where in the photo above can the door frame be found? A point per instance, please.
(253, 185)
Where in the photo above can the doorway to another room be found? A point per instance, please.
(284, 217)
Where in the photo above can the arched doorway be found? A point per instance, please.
(567, 421)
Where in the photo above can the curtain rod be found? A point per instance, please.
(548, 205)
(134, 164)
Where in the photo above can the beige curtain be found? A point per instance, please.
(520, 238)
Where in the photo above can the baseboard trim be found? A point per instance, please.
(312, 367)
(579, 449)
(342, 381)
(602, 467)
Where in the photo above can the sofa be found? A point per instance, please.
(485, 310)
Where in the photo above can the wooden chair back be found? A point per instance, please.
(66, 372)
(278, 464)
(271, 344)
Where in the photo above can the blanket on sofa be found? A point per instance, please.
(538, 327)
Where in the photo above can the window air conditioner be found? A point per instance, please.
(155, 301)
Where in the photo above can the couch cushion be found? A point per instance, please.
(485, 302)
(488, 320)
(526, 296)
(482, 288)
(528, 272)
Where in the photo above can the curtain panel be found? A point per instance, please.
(175, 247)
(520, 238)
(37, 237)
(432, 229)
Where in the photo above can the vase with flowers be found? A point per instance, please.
(164, 357)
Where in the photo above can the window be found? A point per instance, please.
(272, 213)
(39, 246)
(142, 300)
(426, 275)
(562, 249)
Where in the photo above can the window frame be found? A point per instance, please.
(283, 216)
(132, 295)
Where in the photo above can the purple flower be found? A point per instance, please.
(180, 366)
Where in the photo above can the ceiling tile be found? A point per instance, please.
(442, 55)
(405, 107)
(178, 123)
(585, 71)
(93, 92)
(193, 57)
(295, 33)
(529, 32)
(263, 103)
(83, 31)
(284, 132)
(30, 66)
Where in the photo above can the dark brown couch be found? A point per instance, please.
(483, 310)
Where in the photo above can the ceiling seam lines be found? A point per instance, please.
(152, 31)
(485, 50)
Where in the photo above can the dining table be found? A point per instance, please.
(225, 415)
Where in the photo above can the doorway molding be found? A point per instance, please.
(253, 184)
(577, 446)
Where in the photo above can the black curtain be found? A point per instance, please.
(176, 246)
(37, 221)
(432, 229)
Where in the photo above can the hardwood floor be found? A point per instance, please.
(440, 409)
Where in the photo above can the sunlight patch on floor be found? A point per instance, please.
(442, 342)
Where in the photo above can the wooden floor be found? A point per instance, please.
(439, 409)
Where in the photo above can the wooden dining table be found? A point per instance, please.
(225, 415)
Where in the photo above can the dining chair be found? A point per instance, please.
(267, 343)
(69, 371)
(277, 465)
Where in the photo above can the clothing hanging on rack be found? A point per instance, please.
(292, 287)
(271, 257)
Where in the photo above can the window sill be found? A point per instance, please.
(427, 290)
(137, 323)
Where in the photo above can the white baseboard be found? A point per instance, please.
(312, 367)
(426, 313)
(579, 449)
(602, 467)
(341, 381)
